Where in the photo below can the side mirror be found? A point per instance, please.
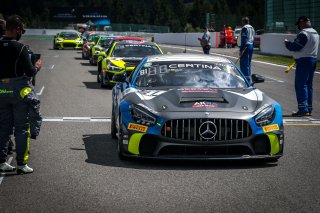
(119, 77)
(257, 78)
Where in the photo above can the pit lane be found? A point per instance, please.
(77, 168)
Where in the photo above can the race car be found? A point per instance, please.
(90, 41)
(102, 44)
(122, 57)
(67, 40)
(188, 106)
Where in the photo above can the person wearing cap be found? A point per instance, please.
(246, 48)
(205, 40)
(16, 69)
(305, 50)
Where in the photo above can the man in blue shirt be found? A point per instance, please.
(305, 50)
(246, 48)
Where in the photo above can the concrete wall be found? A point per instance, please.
(273, 43)
(46, 31)
(188, 39)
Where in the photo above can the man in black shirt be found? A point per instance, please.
(15, 69)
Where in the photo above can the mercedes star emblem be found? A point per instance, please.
(207, 130)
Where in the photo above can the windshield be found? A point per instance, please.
(193, 74)
(105, 42)
(135, 50)
(68, 35)
(93, 38)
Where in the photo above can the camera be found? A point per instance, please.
(34, 57)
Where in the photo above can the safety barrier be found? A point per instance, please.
(270, 43)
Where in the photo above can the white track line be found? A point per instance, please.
(77, 119)
(40, 93)
(2, 175)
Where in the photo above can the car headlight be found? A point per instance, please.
(58, 40)
(265, 116)
(113, 67)
(142, 116)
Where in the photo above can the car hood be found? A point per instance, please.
(125, 61)
(194, 99)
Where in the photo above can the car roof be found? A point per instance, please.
(188, 57)
(130, 38)
(135, 42)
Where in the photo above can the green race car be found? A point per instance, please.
(101, 45)
(67, 40)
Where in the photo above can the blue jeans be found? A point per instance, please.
(245, 62)
(303, 83)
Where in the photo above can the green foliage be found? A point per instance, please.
(179, 15)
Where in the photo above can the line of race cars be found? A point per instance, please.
(183, 106)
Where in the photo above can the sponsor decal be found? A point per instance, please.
(4, 91)
(204, 104)
(270, 128)
(137, 127)
(166, 68)
(198, 90)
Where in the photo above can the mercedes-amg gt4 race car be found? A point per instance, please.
(187, 106)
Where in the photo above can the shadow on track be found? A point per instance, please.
(78, 58)
(93, 72)
(92, 85)
(101, 149)
(85, 64)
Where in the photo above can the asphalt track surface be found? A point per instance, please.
(77, 168)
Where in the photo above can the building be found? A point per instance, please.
(281, 15)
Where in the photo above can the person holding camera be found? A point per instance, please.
(16, 69)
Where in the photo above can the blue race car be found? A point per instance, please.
(188, 106)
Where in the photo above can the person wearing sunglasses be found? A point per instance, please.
(16, 69)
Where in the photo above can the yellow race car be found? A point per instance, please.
(124, 56)
(67, 40)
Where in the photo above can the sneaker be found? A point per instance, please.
(5, 167)
(300, 114)
(24, 170)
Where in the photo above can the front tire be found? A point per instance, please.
(120, 144)
(113, 126)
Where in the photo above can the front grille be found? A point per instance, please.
(69, 45)
(223, 129)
